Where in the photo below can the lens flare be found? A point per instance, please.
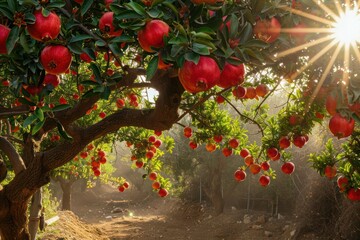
(346, 29)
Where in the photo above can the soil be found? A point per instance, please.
(110, 215)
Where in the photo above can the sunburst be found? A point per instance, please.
(341, 30)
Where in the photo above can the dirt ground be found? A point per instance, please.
(112, 215)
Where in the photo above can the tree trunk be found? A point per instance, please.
(216, 195)
(35, 213)
(66, 186)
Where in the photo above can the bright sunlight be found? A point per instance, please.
(346, 29)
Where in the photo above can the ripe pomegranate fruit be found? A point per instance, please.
(106, 25)
(157, 143)
(210, 147)
(299, 35)
(250, 93)
(227, 151)
(187, 132)
(267, 30)
(126, 185)
(239, 92)
(255, 168)
(121, 188)
(45, 27)
(330, 171)
(231, 75)
(249, 160)
(199, 77)
(340, 126)
(261, 90)
(218, 138)
(272, 152)
(234, 143)
(152, 36)
(54, 80)
(244, 152)
(342, 183)
(163, 192)
(288, 168)
(264, 180)
(139, 164)
(152, 176)
(265, 165)
(240, 175)
(353, 194)
(56, 59)
(193, 145)
(299, 141)
(155, 185)
(4, 34)
(284, 142)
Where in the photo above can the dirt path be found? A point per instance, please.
(114, 216)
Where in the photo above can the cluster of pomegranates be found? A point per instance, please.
(156, 185)
(122, 187)
(96, 160)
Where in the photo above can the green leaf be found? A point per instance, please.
(100, 43)
(78, 38)
(12, 39)
(106, 93)
(58, 4)
(96, 71)
(155, 13)
(29, 120)
(25, 101)
(193, 57)
(127, 14)
(136, 7)
(200, 49)
(90, 52)
(89, 83)
(99, 89)
(62, 131)
(37, 127)
(152, 67)
(12, 5)
(6, 11)
(60, 107)
(178, 40)
(246, 33)
(39, 114)
(86, 6)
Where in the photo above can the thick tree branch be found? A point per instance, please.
(162, 117)
(13, 155)
(3, 170)
(8, 112)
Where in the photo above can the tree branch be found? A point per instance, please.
(3, 170)
(162, 117)
(13, 155)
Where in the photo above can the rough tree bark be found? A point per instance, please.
(15, 196)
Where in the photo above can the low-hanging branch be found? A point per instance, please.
(14, 157)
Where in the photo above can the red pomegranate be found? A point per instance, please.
(231, 75)
(54, 80)
(4, 34)
(267, 30)
(288, 168)
(340, 126)
(106, 25)
(299, 141)
(284, 142)
(239, 92)
(152, 36)
(163, 192)
(199, 77)
(55, 59)
(240, 175)
(45, 27)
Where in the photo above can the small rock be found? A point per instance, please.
(238, 222)
(280, 217)
(117, 210)
(271, 219)
(209, 217)
(292, 233)
(247, 219)
(233, 208)
(256, 227)
(108, 217)
(268, 234)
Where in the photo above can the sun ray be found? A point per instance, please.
(339, 8)
(303, 46)
(323, 77)
(346, 64)
(307, 15)
(327, 10)
(306, 30)
(313, 60)
(356, 50)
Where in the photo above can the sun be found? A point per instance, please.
(347, 28)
